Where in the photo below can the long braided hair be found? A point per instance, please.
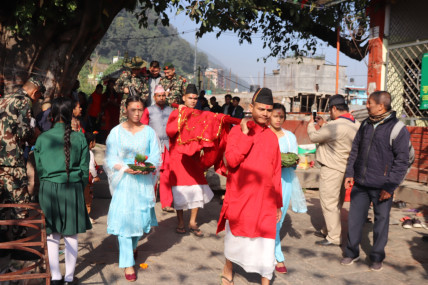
(62, 111)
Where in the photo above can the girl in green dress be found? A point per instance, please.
(62, 162)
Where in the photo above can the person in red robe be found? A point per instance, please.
(190, 188)
(253, 200)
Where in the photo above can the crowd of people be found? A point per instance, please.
(156, 130)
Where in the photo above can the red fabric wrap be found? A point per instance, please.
(204, 132)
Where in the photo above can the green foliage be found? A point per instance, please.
(284, 26)
(113, 67)
(27, 15)
(85, 87)
(104, 60)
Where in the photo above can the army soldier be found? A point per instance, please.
(16, 127)
(131, 83)
(175, 86)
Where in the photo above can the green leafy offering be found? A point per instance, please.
(147, 167)
(289, 159)
(140, 164)
(140, 158)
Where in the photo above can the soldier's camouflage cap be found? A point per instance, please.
(135, 63)
(38, 83)
(168, 65)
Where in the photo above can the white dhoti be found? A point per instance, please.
(252, 254)
(190, 197)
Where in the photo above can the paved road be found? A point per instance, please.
(186, 259)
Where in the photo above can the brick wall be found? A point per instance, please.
(419, 170)
(418, 136)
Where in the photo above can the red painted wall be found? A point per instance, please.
(299, 129)
(418, 137)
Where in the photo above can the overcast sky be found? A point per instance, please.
(242, 59)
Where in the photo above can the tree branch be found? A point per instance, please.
(347, 47)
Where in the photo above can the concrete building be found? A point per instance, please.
(216, 76)
(357, 94)
(299, 82)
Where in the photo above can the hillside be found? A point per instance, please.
(152, 43)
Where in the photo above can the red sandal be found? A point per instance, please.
(131, 277)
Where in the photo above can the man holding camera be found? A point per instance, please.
(335, 142)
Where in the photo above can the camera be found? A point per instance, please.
(314, 115)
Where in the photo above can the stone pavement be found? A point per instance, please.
(187, 259)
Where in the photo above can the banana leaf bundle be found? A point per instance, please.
(289, 159)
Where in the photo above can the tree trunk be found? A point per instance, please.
(55, 53)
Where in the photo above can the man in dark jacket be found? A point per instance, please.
(376, 168)
(227, 106)
(215, 106)
(236, 111)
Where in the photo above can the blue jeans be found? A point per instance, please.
(286, 195)
(127, 245)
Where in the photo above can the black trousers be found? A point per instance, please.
(361, 197)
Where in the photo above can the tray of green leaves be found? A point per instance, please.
(289, 159)
(140, 164)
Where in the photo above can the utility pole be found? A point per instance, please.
(224, 82)
(199, 78)
(203, 80)
(337, 59)
(264, 77)
(196, 52)
(230, 77)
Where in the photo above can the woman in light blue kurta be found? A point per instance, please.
(131, 212)
(291, 189)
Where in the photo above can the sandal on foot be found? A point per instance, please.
(168, 209)
(225, 278)
(180, 230)
(197, 232)
(281, 269)
(131, 277)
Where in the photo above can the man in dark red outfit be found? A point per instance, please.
(253, 201)
(190, 188)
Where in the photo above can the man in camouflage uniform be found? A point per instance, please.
(175, 86)
(16, 127)
(130, 82)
